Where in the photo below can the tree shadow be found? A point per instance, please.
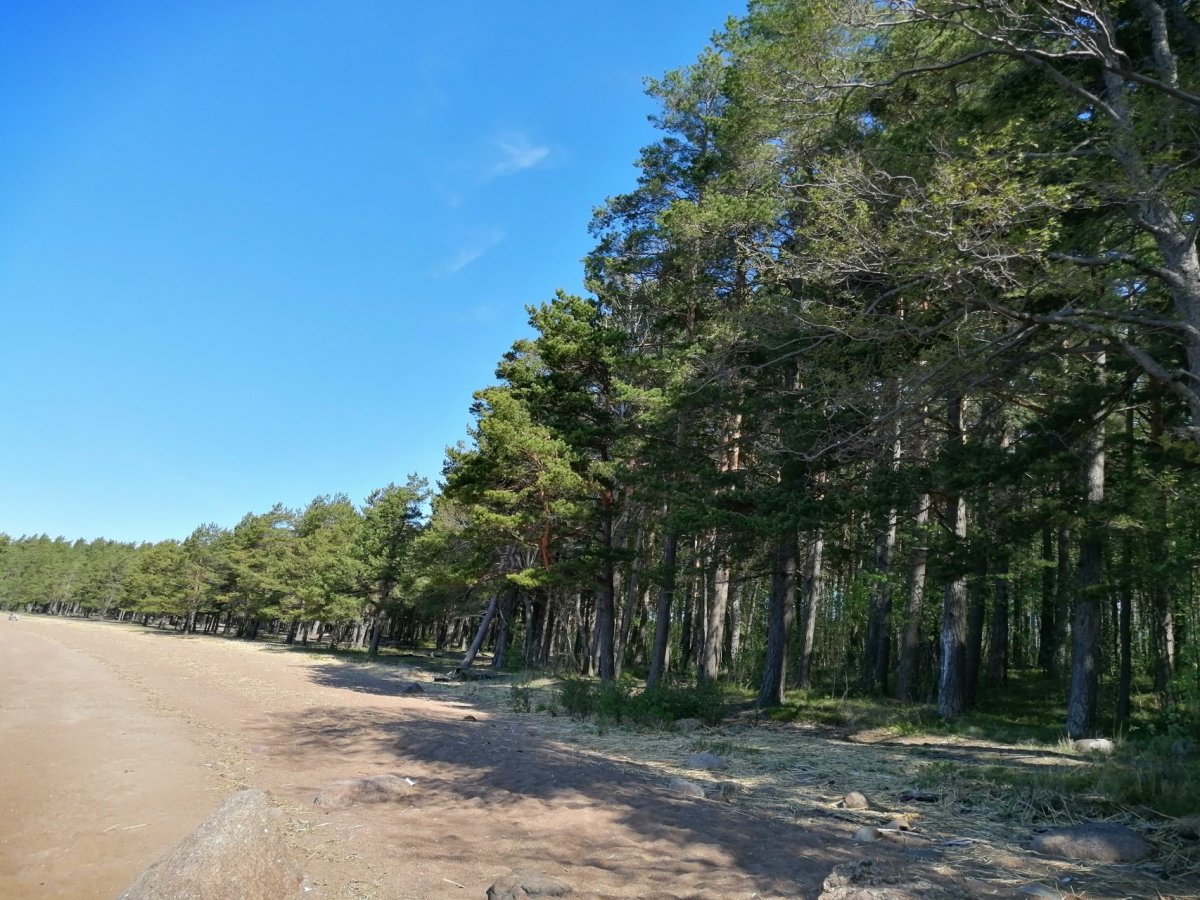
(504, 769)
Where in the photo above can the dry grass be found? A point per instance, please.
(991, 795)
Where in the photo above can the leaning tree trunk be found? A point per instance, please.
(481, 633)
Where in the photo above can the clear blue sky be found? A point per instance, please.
(256, 251)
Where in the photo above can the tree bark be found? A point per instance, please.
(481, 633)
(998, 644)
(952, 694)
(811, 601)
(910, 641)
(780, 611)
(662, 612)
(1085, 623)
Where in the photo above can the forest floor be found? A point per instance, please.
(117, 740)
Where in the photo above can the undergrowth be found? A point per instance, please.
(621, 702)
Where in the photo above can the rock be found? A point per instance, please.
(918, 796)
(869, 880)
(855, 800)
(1105, 842)
(867, 834)
(353, 791)
(469, 718)
(238, 851)
(900, 823)
(687, 724)
(686, 788)
(1094, 745)
(706, 760)
(521, 883)
(409, 687)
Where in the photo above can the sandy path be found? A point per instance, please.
(105, 726)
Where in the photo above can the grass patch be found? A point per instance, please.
(1140, 780)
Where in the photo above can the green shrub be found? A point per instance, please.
(664, 704)
(578, 697)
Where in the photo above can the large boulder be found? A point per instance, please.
(237, 853)
(1105, 842)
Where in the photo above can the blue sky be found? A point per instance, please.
(255, 252)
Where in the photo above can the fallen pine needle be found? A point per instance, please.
(455, 883)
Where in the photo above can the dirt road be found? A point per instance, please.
(117, 740)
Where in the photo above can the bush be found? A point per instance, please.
(578, 697)
(664, 704)
(658, 706)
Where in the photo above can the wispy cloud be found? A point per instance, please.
(476, 247)
(517, 153)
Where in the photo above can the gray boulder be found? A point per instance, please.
(522, 883)
(1105, 842)
(1094, 745)
(686, 788)
(706, 760)
(237, 853)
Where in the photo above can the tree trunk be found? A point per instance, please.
(780, 611)
(997, 675)
(877, 657)
(1085, 623)
(976, 614)
(506, 610)
(1163, 624)
(910, 641)
(714, 632)
(662, 612)
(1047, 625)
(811, 601)
(952, 693)
(605, 611)
(481, 633)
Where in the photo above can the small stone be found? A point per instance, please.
(867, 834)
(1105, 842)
(470, 719)
(855, 800)
(687, 724)
(918, 796)
(1094, 745)
(522, 883)
(686, 788)
(706, 760)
